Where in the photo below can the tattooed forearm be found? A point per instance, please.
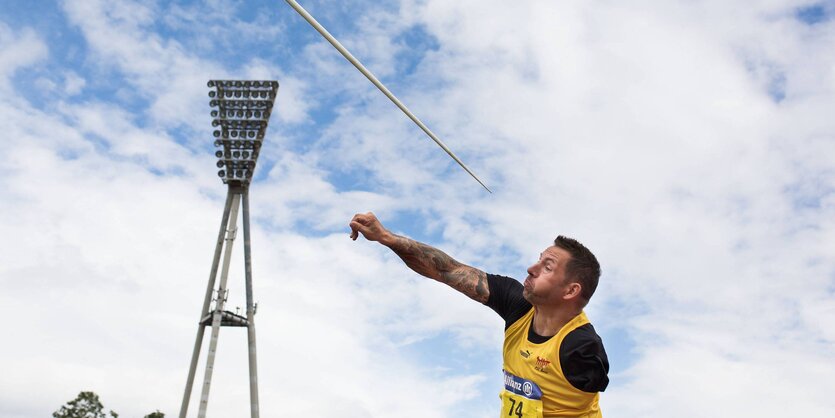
(422, 258)
(469, 281)
(434, 263)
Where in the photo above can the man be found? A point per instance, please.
(554, 362)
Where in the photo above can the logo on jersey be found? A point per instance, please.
(520, 386)
(525, 353)
(527, 389)
(542, 364)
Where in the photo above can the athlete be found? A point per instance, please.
(554, 362)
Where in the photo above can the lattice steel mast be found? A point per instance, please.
(242, 112)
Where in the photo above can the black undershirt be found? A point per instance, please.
(582, 356)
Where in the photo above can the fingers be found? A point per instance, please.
(355, 228)
(356, 225)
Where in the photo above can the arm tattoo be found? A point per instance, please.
(435, 264)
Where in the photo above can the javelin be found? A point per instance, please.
(377, 83)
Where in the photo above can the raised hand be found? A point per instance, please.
(370, 227)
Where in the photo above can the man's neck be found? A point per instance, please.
(548, 320)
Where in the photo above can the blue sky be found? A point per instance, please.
(688, 144)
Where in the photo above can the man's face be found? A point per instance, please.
(546, 280)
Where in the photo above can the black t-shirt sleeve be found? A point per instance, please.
(506, 298)
(583, 359)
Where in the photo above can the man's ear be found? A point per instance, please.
(573, 290)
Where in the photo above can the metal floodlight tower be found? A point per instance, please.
(241, 112)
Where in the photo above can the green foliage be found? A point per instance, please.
(88, 405)
(85, 405)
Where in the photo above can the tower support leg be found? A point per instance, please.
(250, 313)
(221, 298)
(206, 302)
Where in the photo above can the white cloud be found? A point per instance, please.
(18, 51)
(73, 83)
(169, 73)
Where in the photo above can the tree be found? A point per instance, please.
(156, 414)
(85, 405)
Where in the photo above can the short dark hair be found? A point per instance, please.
(583, 267)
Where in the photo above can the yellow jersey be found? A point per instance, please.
(533, 374)
(557, 376)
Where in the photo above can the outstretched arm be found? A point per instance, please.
(425, 260)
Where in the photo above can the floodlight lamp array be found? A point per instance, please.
(241, 112)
